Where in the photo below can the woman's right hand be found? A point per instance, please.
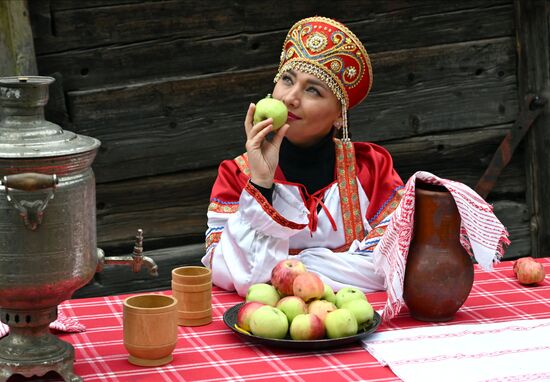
(263, 154)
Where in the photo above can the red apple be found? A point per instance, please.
(320, 308)
(245, 312)
(284, 273)
(530, 272)
(307, 327)
(520, 261)
(308, 286)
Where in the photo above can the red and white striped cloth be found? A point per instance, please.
(481, 234)
(62, 324)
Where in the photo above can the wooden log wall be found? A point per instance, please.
(165, 85)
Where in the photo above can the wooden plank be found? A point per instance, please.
(462, 156)
(515, 217)
(169, 208)
(178, 56)
(137, 22)
(205, 117)
(16, 40)
(172, 208)
(533, 39)
(63, 5)
(120, 279)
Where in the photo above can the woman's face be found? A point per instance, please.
(312, 107)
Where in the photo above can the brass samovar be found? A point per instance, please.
(47, 228)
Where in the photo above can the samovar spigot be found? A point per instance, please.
(136, 260)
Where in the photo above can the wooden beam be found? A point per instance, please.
(16, 42)
(532, 35)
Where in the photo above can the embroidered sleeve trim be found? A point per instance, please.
(272, 212)
(242, 163)
(213, 238)
(388, 207)
(223, 208)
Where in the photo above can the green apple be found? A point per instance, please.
(348, 294)
(292, 306)
(361, 309)
(269, 322)
(329, 294)
(340, 323)
(264, 293)
(307, 327)
(245, 313)
(269, 107)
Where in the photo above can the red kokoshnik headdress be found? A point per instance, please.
(331, 52)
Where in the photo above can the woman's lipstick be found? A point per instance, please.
(292, 117)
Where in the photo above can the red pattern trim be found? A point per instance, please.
(223, 208)
(242, 163)
(349, 194)
(213, 238)
(390, 206)
(272, 212)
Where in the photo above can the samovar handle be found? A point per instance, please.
(32, 212)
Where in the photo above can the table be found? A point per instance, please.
(214, 353)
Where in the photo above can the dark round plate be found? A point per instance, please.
(230, 319)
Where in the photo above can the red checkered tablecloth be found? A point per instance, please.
(215, 353)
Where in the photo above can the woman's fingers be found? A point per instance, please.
(278, 137)
(248, 121)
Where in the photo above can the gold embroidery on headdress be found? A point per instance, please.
(316, 42)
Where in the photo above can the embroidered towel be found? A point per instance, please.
(504, 351)
(63, 324)
(481, 234)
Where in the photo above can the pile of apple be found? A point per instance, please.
(298, 304)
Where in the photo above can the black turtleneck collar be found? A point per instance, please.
(311, 166)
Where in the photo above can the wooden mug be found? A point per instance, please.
(150, 329)
(192, 287)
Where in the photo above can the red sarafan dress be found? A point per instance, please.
(333, 230)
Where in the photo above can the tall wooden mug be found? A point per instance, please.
(192, 287)
(150, 329)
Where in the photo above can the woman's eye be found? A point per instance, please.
(314, 91)
(287, 79)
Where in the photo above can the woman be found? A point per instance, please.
(304, 193)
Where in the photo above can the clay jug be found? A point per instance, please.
(439, 272)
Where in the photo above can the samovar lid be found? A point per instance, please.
(24, 133)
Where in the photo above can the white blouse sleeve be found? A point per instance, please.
(254, 238)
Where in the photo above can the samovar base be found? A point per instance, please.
(31, 350)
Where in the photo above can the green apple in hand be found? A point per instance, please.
(269, 322)
(269, 107)
(340, 323)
